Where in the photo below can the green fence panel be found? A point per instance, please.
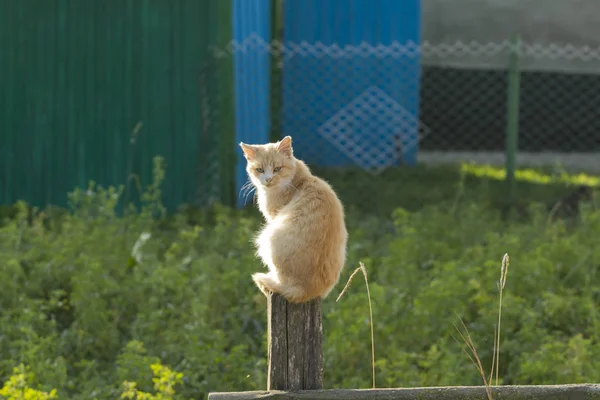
(76, 78)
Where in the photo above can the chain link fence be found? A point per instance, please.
(216, 157)
(360, 111)
(464, 102)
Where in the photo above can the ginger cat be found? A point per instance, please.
(304, 240)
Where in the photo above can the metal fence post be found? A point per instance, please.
(512, 119)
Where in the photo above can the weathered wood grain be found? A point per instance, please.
(313, 373)
(277, 343)
(295, 345)
(551, 392)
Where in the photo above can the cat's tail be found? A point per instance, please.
(270, 283)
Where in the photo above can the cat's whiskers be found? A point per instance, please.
(247, 189)
(242, 189)
(248, 193)
(246, 186)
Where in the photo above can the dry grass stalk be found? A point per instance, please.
(503, 273)
(493, 356)
(474, 357)
(364, 271)
(466, 337)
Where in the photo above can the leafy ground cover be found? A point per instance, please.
(95, 305)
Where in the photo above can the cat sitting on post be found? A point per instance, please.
(303, 242)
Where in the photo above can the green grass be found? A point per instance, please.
(94, 301)
(413, 188)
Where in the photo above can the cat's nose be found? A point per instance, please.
(268, 180)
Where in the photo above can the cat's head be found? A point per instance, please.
(270, 165)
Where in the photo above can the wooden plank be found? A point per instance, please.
(295, 345)
(546, 392)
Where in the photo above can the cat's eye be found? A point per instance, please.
(260, 170)
(277, 169)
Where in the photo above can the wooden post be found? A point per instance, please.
(295, 345)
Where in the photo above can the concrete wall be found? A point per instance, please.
(543, 22)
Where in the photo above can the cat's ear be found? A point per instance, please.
(249, 150)
(284, 146)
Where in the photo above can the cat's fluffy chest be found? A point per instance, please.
(270, 202)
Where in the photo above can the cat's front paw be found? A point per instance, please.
(258, 278)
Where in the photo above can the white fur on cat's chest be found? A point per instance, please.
(263, 242)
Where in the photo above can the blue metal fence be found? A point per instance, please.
(350, 86)
(350, 96)
(251, 19)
